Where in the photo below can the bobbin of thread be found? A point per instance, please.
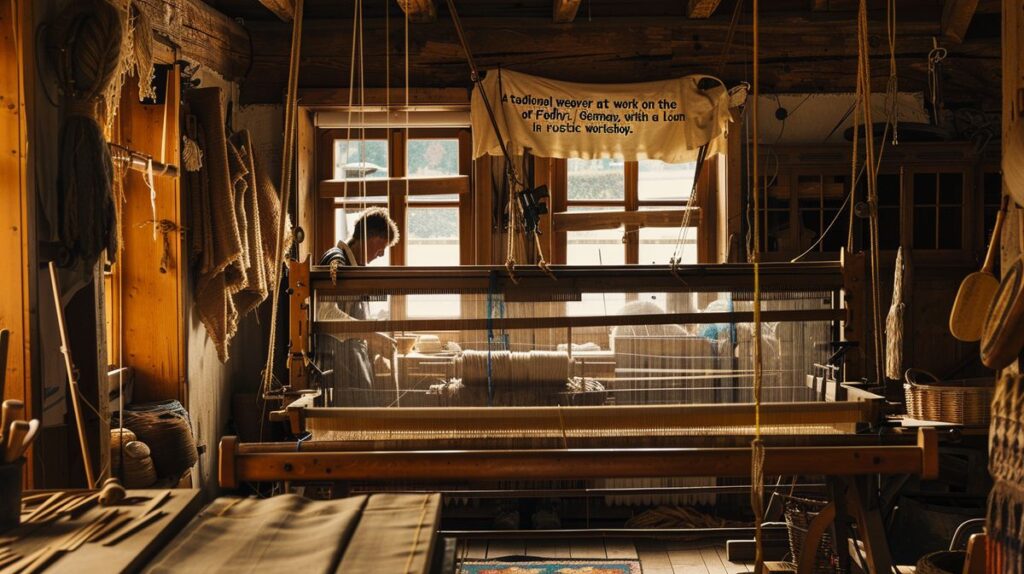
(112, 492)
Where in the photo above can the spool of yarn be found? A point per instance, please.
(513, 368)
(169, 437)
(136, 468)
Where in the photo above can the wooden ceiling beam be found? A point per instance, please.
(701, 8)
(564, 11)
(956, 17)
(202, 35)
(419, 11)
(628, 50)
(283, 9)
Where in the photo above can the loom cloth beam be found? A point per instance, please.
(237, 463)
(303, 417)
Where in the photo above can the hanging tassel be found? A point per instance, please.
(191, 155)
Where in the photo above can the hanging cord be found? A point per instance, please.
(864, 75)
(515, 184)
(733, 24)
(284, 193)
(757, 452)
(692, 204)
(892, 89)
(935, 58)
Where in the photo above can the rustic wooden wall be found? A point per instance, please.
(16, 205)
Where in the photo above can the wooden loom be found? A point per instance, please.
(541, 443)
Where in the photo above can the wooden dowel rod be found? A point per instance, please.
(72, 378)
(348, 327)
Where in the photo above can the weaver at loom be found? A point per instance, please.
(345, 364)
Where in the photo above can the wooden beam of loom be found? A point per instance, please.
(956, 18)
(283, 9)
(419, 11)
(574, 420)
(423, 186)
(701, 8)
(564, 11)
(569, 279)
(591, 220)
(238, 464)
(513, 323)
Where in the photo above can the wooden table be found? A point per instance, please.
(128, 555)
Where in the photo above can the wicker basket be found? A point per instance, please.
(960, 401)
(799, 513)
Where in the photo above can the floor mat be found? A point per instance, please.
(551, 567)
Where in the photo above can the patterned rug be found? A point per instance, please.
(552, 567)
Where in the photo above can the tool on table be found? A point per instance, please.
(112, 492)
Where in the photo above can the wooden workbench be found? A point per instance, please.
(128, 555)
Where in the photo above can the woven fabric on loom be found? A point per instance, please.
(1006, 465)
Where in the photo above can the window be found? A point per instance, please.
(938, 210)
(818, 200)
(603, 221)
(421, 176)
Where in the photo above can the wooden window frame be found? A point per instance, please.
(632, 217)
(396, 188)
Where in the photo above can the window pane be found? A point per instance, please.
(597, 247)
(924, 188)
(344, 224)
(951, 187)
(658, 244)
(602, 179)
(660, 181)
(433, 158)
(432, 236)
(360, 159)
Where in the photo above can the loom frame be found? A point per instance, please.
(557, 283)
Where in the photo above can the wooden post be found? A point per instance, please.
(17, 207)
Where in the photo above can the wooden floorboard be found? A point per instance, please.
(686, 559)
(732, 567)
(712, 561)
(476, 549)
(620, 548)
(546, 549)
(654, 558)
(503, 547)
(584, 549)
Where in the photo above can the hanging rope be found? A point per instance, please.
(864, 79)
(757, 452)
(290, 110)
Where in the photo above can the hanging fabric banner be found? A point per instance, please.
(666, 120)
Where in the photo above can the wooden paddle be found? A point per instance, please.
(967, 319)
(1004, 327)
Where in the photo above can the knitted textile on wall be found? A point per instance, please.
(1006, 464)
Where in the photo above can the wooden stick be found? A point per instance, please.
(56, 496)
(15, 439)
(157, 501)
(72, 378)
(11, 411)
(137, 525)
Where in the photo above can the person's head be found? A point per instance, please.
(373, 232)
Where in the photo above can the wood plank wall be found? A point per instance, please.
(16, 206)
(152, 302)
